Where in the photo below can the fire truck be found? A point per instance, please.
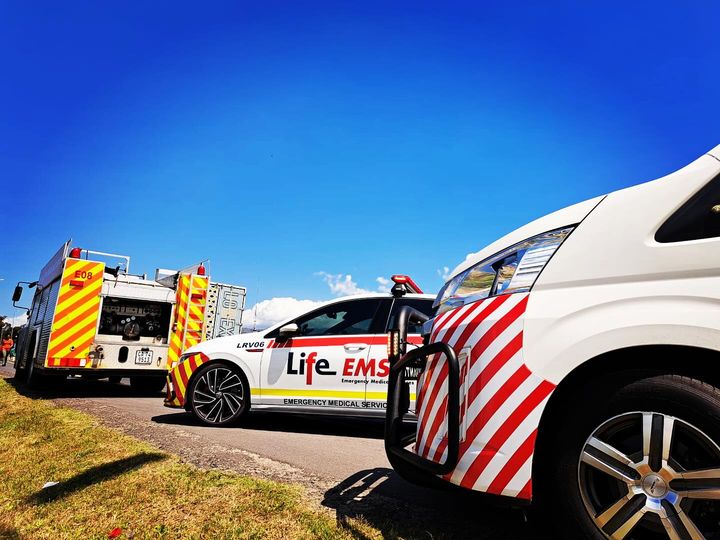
(575, 364)
(91, 317)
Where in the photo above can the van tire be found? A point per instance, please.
(567, 487)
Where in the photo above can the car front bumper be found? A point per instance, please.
(178, 380)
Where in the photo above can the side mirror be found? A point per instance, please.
(18, 293)
(288, 331)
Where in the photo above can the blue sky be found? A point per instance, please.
(286, 139)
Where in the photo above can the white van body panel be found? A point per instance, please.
(611, 285)
(561, 218)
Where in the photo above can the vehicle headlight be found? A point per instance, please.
(427, 327)
(511, 271)
(182, 358)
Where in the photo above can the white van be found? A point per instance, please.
(575, 363)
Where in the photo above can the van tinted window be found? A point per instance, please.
(696, 219)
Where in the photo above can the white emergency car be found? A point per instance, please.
(575, 362)
(332, 359)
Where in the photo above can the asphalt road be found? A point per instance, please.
(344, 458)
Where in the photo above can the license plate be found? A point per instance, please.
(412, 373)
(143, 357)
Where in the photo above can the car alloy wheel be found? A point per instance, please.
(650, 475)
(218, 395)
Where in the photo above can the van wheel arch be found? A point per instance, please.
(602, 375)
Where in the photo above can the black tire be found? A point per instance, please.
(33, 379)
(148, 385)
(46, 380)
(19, 374)
(583, 494)
(219, 394)
(115, 379)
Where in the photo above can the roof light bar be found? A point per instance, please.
(410, 285)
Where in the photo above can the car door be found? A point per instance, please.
(310, 370)
(376, 387)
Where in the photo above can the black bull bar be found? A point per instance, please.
(399, 400)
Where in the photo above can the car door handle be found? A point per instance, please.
(354, 347)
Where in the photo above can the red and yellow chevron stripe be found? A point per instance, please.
(76, 314)
(196, 311)
(179, 377)
(190, 302)
(178, 329)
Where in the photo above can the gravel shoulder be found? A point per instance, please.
(365, 489)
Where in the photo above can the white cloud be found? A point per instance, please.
(342, 284)
(384, 284)
(444, 273)
(269, 312)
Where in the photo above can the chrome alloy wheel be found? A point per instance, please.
(218, 395)
(648, 475)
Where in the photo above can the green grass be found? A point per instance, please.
(108, 480)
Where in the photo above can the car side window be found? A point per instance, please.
(421, 304)
(698, 218)
(344, 318)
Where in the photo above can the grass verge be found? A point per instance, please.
(107, 481)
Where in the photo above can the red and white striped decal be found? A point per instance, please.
(503, 401)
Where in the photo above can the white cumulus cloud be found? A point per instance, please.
(444, 273)
(345, 285)
(269, 312)
(342, 284)
(384, 284)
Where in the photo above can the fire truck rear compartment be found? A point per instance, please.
(87, 320)
(132, 334)
(138, 321)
